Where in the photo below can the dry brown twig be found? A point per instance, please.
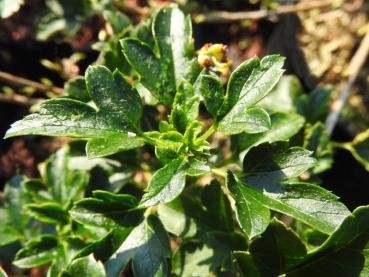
(224, 17)
(20, 81)
(354, 68)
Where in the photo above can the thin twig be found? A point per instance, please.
(354, 68)
(223, 17)
(20, 100)
(20, 81)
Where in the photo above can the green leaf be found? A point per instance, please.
(175, 220)
(37, 252)
(315, 105)
(76, 89)
(308, 203)
(345, 253)
(270, 163)
(197, 168)
(185, 107)
(118, 112)
(277, 250)
(359, 148)
(195, 259)
(141, 57)
(8, 233)
(148, 248)
(86, 266)
(15, 200)
(106, 146)
(249, 83)
(283, 127)
(252, 216)
(285, 95)
(253, 120)
(218, 206)
(212, 90)
(244, 264)
(9, 7)
(173, 34)
(317, 140)
(166, 184)
(2, 273)
(107, 210)
(49, 212)
(106, 246)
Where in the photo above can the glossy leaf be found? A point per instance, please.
(118, 112)
(252, 216)
(283, 127)
(253, 120)
(86, 266)
(148, 248)
(270, 163)
(76, 89)
(308, 203)
(166, 184)
(249, 83)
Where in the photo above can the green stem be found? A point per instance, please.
(208, 133)
(220, 172)
(342, 145)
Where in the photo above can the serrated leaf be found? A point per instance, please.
(252, 216)
(249, 83)
(308, 203)
(166, 184)
(270, 163)
(253, 120)
(37, 252)
(212, 90)
(161, 72)
(277, 250)
(283, 127)
(345, 253)
(52, 213)
(86, 266)
(148, 248)
(118, 112)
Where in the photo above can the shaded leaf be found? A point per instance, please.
(86, 266)
(212, 90)
(148, 248)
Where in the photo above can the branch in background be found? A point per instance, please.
(20, 100)
(224, 17)
(16, 80)
(354, 68)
